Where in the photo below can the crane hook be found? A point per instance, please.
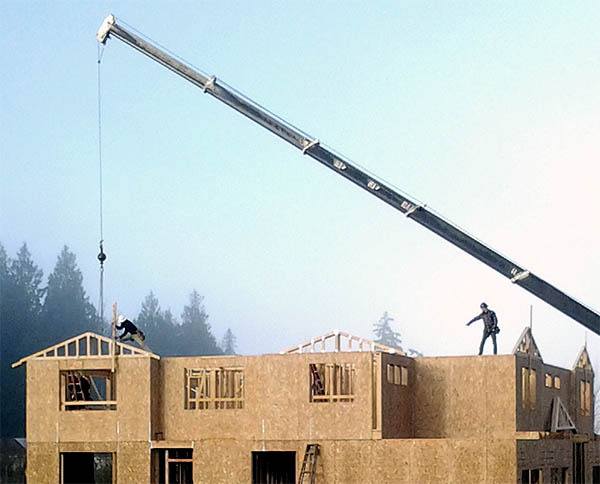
(101, 255)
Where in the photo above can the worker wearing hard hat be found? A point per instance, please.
(490, 326)
(130, 331)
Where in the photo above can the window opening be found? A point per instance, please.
(404, 379)
(548, 380)
(558, 475)
(397, 374)
(88, 390)
(214, 388)
(531, 476)
(557, 382)
(172, 466)
(331, 382)
(528, 388)
(585, 398)
(78, 467)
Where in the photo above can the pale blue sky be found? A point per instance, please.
(487, 111)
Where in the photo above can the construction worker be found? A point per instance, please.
(85, 384)
(130, 331)
(490, 326)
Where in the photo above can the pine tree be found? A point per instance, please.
(149, 318)
(67, 310)
(384, 334)
(228, 343)
(161, 330)
(20, 304)
(196, 335)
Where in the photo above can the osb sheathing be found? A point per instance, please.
(544, 454)
(464, 397)
(46, 422)
(131, 460)
(43, 465)
(397, 401)
(540, 417)
(276, 400)
(584, 423)
(155, 399)
(364, 462)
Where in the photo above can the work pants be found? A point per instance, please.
(134, 337)
(484, 337)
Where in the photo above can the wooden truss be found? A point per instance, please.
(583, 360)
(87, 345)
(526, 345)
(337, 341)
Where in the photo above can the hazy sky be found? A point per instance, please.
(489, 112)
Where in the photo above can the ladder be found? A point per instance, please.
(317, 383)
(74, 387)
(309, 464)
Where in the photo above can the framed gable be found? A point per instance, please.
(583, 361)
(526, 345)
(87, 345)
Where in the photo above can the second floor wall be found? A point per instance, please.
(312, 396)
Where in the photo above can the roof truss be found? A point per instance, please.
(583, 360)
(526, 344)
(337, 341)
(86, 345)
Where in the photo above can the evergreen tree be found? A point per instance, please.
(20, 304)
(67, 310)
(150, 315)
(159, 326)
(228, 343)
(384, 334)
(196, 335)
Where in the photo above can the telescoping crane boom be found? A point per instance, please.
(310, 146)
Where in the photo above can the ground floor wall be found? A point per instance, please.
(340, 462)
(373, 461)
(558, 461)
(130, 461)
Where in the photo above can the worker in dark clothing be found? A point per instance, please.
(85, 384)
(490, 326)
(130, 331)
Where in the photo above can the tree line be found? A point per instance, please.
(34, 315)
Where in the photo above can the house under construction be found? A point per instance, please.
(338, 409)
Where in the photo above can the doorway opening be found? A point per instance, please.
(274, 467)
(86, 468)
(172, 466)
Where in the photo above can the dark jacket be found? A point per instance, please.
(128, 326)
(489, 320)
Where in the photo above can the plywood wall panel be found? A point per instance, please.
(43, 465)
(464, 397)
(133, 462)
(276, 401)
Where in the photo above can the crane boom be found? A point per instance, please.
(339, 164)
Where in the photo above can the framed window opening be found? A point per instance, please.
(214, 388)
(397, 374)
(331, 382)
(172, 466)
(88, 390)
(528, 388)
(585, 398)
(531, 476)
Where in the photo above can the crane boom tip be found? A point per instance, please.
(104, 29)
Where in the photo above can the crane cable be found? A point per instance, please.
(101, 254)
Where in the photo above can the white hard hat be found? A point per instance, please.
(121, 318)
